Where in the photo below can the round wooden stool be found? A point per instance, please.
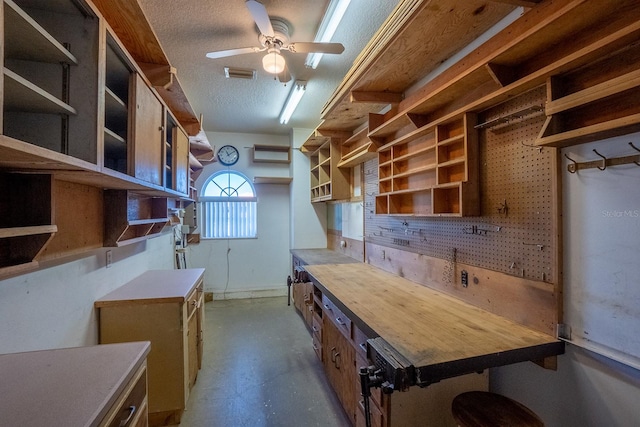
(484, 409)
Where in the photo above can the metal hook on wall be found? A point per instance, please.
(571, 168)
(604, 160)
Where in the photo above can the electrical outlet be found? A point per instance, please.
(109, 259)
(464, 278)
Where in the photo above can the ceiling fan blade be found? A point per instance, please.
(285, 75)
(313, 47)
(233, 52)
(260, 15)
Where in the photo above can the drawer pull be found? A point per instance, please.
(314, 329)
(132, 410)
(315, 347)
(340, 321)
(363, 345)
(327, 306)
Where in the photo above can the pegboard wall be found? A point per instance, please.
(514, 234)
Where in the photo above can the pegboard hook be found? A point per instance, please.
(604, 160)
(571, 168)
(635, 148)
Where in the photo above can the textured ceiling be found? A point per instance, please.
(188, 29)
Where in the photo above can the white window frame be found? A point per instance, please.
(222, 216)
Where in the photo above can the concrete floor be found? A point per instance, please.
(259, 369)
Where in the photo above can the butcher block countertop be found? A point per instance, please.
(437, 333)
(160, 286)
(321, 256)
(66, 387)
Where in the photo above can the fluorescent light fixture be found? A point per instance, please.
(292, 101)
(330, 21)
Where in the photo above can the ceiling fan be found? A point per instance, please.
(273, 39)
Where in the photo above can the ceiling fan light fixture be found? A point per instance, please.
(299, 87)
(273, 62)
(328, 26)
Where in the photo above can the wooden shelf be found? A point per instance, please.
(278, 180)
(22, 95)
(328, 182)
(130, 24)
(36, 42)
(26, 216)
(271, 154)
(132, 217)
(431, 172)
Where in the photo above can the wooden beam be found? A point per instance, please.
(525, 3)
(158, 74)
(501, 74)
(376, 97)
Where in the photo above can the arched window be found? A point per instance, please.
(229, 205)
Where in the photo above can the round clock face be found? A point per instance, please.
(228, 155)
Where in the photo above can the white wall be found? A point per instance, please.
(308, 220)
(246, 268)
(601, 262)
(53, 307)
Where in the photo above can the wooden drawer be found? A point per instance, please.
(376, 392)
(194, 300)
(377, 419)
(131, 409)
(360, 342)
(342, 322)
(317, 346)
(316, 328)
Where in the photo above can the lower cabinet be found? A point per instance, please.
(342, 348)
(339, 364)
(100, 385)
(166, 308)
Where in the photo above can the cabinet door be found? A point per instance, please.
(148, 145)
(340, 366)
(192, 342)
(180, 160)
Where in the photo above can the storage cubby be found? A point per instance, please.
(25, 220)
(357, 149)
(410, 203)
(436, 155)
(132, 217)
(328, 182)
(271, 154)
(176, 156)
(51, 92)
(117, 98)
(447, 200)
(597, 101)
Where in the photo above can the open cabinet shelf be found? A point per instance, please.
(26, 217)
(432, 171)
(132, 217)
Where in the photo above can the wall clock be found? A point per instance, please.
(228, 155)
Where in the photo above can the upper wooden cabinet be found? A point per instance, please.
(147, 159)
(50, 88)
(177, 159)
(75, 100)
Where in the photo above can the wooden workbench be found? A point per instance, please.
(321, 256)
(437, 333)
